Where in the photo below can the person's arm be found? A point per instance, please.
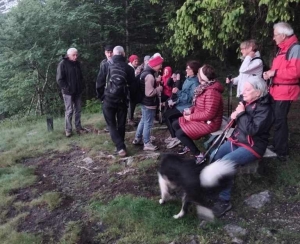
(150, 91)
(61, 76)
(291, 71)
(101, 80)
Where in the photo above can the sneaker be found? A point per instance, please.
(169, 139)
(68, 133)
(200, 158)
(122, 153)
(173, 143)
(137, 141)
(183, 150)
(150, 147)
(221, 207)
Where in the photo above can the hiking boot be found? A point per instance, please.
(183, 150)
(173, 143)
(168, 140)
(122, 153)
(200, 158)
(221, 207)
(150, 147)
(137, 141)
(68, 133)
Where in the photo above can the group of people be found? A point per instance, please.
(194, 107)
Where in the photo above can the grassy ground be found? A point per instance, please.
(48, 194)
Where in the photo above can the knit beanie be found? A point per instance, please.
(155, 61)
(132, 58)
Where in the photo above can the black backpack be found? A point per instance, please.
(138, 88)
(116, 81)
(265, 66)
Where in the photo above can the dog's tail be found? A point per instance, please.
(212, 174)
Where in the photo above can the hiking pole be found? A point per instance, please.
(223, 136)
(229, 95)
(159, 109)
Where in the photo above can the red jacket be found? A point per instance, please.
(208, 107)
(287, 71)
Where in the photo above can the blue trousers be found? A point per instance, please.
(237, 154)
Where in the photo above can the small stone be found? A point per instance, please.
(235, 230)
(258, 200)
(88, 160)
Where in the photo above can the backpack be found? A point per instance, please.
(265, 66)
(289, 50)
(116, 82)
(137, 91)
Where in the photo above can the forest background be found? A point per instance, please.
(35, 34)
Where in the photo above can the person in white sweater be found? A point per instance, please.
(252, 65)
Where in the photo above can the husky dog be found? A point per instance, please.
(197, 182)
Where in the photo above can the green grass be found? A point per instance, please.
(140, 220)
(72, 233)
(52, 199)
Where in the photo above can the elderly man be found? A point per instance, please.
(70, 81)
(113, 87)
(285, 74)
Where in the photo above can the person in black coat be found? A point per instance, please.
(113, 86)
(70, 80)
(249, 140)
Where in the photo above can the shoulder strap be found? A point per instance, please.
(289, 50)
(256, 58)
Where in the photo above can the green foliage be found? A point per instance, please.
(215, 25)
(92, 106)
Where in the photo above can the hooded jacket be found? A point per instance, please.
(69, 77)
(287, 71)
(249, 67)
(253, 126)
(207, 113)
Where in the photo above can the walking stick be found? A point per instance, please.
(229, 95)
(222, 136)
(160, 119)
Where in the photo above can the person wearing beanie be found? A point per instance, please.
(151, 89)
(133, 62)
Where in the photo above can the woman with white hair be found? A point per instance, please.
(249, 140)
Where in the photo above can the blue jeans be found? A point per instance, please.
(145, 124)
(239, 155)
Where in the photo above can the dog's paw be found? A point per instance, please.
(161, 201)
(178, 216)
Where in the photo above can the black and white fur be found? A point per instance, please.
(197, 182)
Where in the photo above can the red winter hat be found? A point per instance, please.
(155, 61)
(132, 58)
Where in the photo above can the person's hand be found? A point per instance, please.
(171, 103)
(268, 74)
(175, 90)
(159, 88)
(233, 115)
(187, 117)
(228, 80)
(240, 108)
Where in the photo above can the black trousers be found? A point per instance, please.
(281, 130)
(115, 117)
(170, 115)
(184, 138)
(131, 109)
